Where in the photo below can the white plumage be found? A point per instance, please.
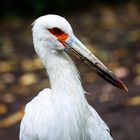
(61, 112)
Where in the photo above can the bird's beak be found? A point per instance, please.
(79, 49)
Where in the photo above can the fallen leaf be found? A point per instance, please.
(7, 66)
(8, 98)
(137, 68)
(136, 80)
(8, 78)
(133, 101)
(31, 64)
(12, 119)
(3, 109)
(28, 79)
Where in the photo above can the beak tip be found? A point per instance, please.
(125, 88)
(122, 86)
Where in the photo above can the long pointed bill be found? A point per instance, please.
(79, 49)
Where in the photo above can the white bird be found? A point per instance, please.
(62, 111)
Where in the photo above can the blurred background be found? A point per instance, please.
(110, 29)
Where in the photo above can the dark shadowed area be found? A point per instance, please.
(110, 31)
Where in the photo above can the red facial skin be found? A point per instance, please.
(61, 36)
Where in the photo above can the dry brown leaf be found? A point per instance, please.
(136, 80)
(31, 64)
(8, 78)
(2, 86)
(12, 119)
(7, 66)
(120, 53)
(133, 101)
(8, 98)
(20, 89)
(3, 109)
(28, 79)
(137, 68)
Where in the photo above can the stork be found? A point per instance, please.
(62, 111)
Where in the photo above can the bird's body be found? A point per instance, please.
(62, 112)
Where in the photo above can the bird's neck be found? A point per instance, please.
(64, 77)
(67, 95)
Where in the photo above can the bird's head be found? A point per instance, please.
(56, 32)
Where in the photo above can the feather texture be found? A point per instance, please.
(62, 112)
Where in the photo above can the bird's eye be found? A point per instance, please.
(61, 36)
